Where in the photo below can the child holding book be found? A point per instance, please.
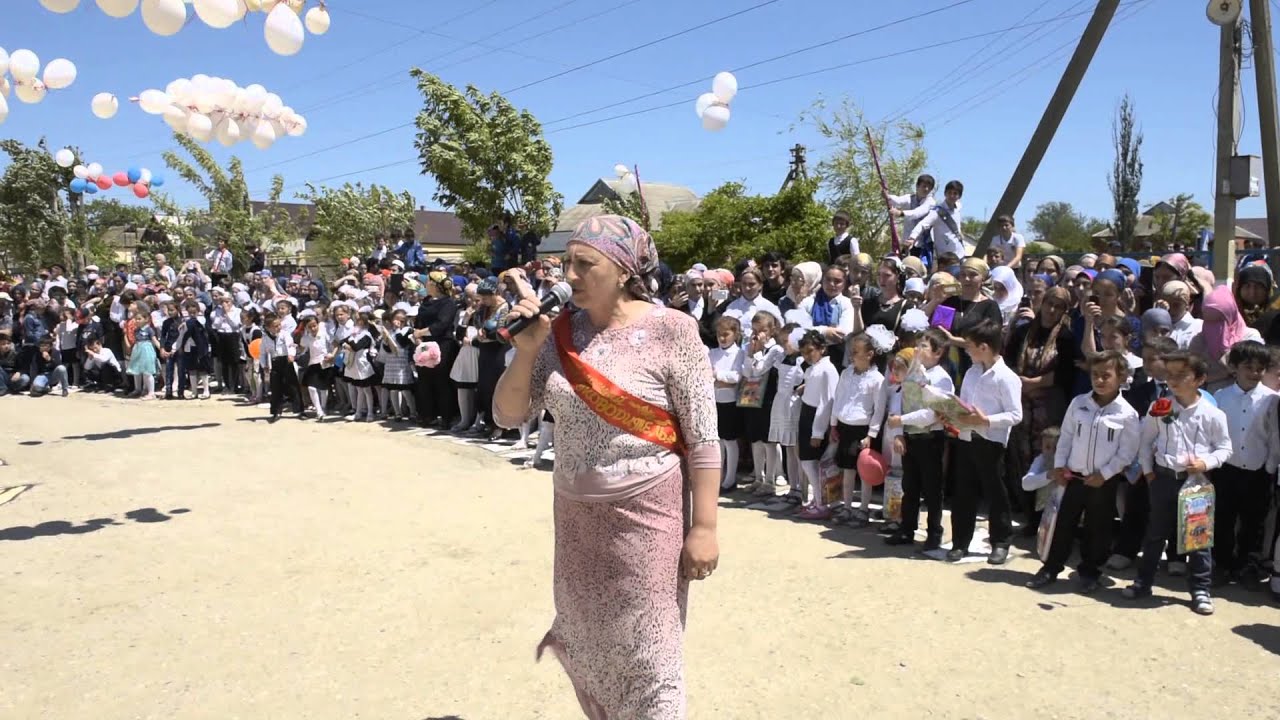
(1098, 441)
(994, 393)
(1182, 437)
(921, 444)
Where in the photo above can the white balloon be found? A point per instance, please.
(629, 184)
(95, 170)
(715, 118)
(620, 170)
(226, 94)
(153, 102)
(272, 106)
(218, 13)
(81, 172)
(60, 74)
(4, 109)
(229, 132)
(65, 158)
(317, 21)
(200, 127)
(264, 136)
(298, 128)
(60, 6)
(105, 105)
(176, 118)
(255, 96)
(164, 17)
(24, 65)
(705, 101)
(118, 8)
(283, 31)
(725, 86)
(179, 90)
(5, 88)
(31, 92)
(4, 62)
(146, 176)
(205, 101)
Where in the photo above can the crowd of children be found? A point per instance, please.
(1104, 390)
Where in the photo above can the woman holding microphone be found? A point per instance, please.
(637, 469)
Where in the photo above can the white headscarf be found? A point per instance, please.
(1003, 275)
(812, 273)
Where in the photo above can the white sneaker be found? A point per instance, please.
(1119, 562)
(1177, 568)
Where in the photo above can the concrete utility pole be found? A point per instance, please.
(1224, 204)
(1051, 119)
(1264, 70)
(798, 171)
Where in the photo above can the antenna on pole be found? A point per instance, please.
(798, 171)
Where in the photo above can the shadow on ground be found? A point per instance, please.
(54, 528)
(1266, 636)
(133, 432)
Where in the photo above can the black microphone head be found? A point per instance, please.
(562, 291)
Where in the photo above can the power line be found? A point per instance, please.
(775, 58)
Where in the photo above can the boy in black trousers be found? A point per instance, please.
(278, 352)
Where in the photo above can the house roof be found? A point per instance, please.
(1148, 226)
(660, 197)
(1257, 226)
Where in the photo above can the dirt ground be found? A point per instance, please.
(191, 561)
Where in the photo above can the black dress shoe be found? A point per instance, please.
(956, 554)
(1041, 579)
(931, 544)
(900, 539)
(1089, 585)
(998, 556)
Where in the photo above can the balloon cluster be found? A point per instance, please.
(91, 178)
(629, 182)
(206, 108)
(713, 107)
(27, 84)
(283, 29)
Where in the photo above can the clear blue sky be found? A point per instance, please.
(1165, 55)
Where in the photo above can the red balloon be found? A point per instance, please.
(104, 182)
(872, 467)
(121, 179)
(141, 190)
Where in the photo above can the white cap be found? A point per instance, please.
(914, 285)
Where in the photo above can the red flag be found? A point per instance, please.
(884, 191)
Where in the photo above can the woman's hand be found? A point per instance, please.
(1026, 313)
(900, 446)
(866, 442)
(815, 442)
(535, 334)
(895, 421)
(701, 553)
(1092, 313)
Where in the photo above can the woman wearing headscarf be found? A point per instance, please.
(636, 443)
(491, 361)
(1008, 292)
(1175, 296)
(750, 300)
(1042, 351)
(1254, 290)
(436, 399)
(1051, 266)
(805, 279)
(1173, 266)
(885, 307)
(1156, 322)
(1223, 327)
(832, 313)
(971, 307)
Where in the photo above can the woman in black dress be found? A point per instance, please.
(971, 307)
(437, 401)
(492, 361)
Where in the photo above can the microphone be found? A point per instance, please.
(560, 294)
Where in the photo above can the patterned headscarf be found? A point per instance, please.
(622, 240)
(442, 281)
(1178, 263)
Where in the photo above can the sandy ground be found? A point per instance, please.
(190, 561)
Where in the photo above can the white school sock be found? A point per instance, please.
(773, 463)
(384, 401)
(794, 473)
(758, 456)
(545, 437)
(149, 385)
(866, 495)
(810, 468)
(729, 478)
(846, 487)
(316, 402)
(410, 405)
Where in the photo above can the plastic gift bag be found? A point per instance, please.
(1048, 521)
(1196, 502)
(893, 496)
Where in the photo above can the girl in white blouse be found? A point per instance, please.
(759, 368)
(726, 366)
(820, 382)
(853, 408)
(315, 376)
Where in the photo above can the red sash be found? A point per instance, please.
(614, 405)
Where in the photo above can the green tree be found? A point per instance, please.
(230, 214)
(1182, 226)
(1125, 181)
(973, 227)
(848, 174)
(629, 205)
(93, 219)
(1060, 225)
(729, 225)
(486, 156)
(34, 208)
(349, 219)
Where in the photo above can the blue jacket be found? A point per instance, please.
(412, 254)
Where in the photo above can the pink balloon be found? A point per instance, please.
(141, 190)
(104, 182)
(872, 467)
(121, 179)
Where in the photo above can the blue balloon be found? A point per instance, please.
(91, 189)
(157, 180)
(78, 185)
(134, 174)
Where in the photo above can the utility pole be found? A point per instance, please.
(1052, 118)
(798, 171)
(1264, 70)
(1224, 204)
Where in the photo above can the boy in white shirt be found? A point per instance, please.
(1098, 441)
(1182, 437)
(277, 354)
(1243, 485)
(943, 222)
(1009, 243)
(995, 394)
(913, 208)
(921, 446)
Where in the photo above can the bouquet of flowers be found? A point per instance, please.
(427, 355)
